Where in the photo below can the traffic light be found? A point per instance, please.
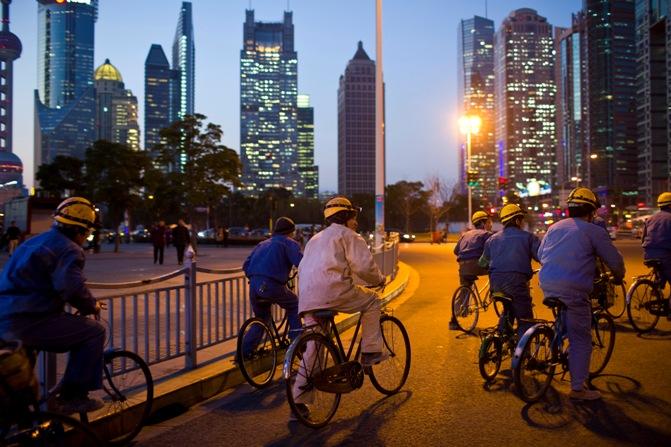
(472, 178)
(503, 183)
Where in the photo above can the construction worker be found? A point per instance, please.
(657, 237)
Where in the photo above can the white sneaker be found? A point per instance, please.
(373, 358)
(585, 394)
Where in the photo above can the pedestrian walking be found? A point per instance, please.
(13, 235)
(180, 239)
(158, 240)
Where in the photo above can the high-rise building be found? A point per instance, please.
(476, 97)
(116, 108)
(356, 126)
(184, 61)
(306, 147)
(610, 52)
(571, 108)
(525, 101)
(65, 97)
(268, 111)
(11, 167)
(653, 50)
(161, 85)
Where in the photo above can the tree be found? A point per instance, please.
(200, 170)
(63, 177)
(438, 203)
(403, 200)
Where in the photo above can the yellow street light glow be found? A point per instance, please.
(470, 124)
(593, 156)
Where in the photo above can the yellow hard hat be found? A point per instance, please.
(509, 212)
(337, 204)
(76, 211)
(664, 199)
(478, 216)
(583, 196)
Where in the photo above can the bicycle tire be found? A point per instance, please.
(489, 357)
(603, 342)
(641, 293)
(301, 361)
(619, 294)
(128, 393)
(389, 376)
(257, 367)
(529, 360)
(52, 429)
(464, 305)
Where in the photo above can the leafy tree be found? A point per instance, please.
(64, 176)
(403, 200)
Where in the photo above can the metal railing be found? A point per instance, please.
(164, 323)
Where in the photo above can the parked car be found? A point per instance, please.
(207, 235)
(259, 233)
(403, 236)
(140, 234)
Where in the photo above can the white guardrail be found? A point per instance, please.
(170, 321)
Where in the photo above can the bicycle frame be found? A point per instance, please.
(653, 275)
(332, 333)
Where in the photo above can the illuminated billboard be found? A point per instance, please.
(533, 188)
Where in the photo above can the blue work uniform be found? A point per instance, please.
(508, 255)
(44, 274)
(568, 264)
(268, 267)
(657, 241)
(469, 248)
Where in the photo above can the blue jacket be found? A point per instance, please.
(657, 236)
(510, 250)
(273, 258)
(568, 258)
(471, 244)
(43, 274)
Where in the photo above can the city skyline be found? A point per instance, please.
(418, 75)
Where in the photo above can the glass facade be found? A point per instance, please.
(184, 61)
(525, 97)
(268, 109)
(356, 126)
(476, 97)
(65, 98)
(161, 85)
(306, 147)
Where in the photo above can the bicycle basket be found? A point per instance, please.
(17, 377)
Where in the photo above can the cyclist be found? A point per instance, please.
(568, 262)
(268, 268)
(45, 273)
(508, 256)
(336, 261)
(657, 237)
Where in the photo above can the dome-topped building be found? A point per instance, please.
(107, 72)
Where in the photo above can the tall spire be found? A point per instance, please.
(361, 53)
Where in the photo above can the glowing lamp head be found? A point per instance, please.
(470, 124)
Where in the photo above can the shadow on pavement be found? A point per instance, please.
(503, 383)
(362, 429)
(248, 398)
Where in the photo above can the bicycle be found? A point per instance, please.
(467, 302)
(610, 296)
(318, 369)
(544, 346)
(645, 299)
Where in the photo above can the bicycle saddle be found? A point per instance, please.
(324, 313)
(652, 263)
(501, 298)
(552, 302)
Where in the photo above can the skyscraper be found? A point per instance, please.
(184, 61)
(306, 147)
(116, 108)
(611, 100)
(653, 49)
(11, 167)
(65, 98)
(525, 101)
(160, 95)
(356, 126)
(476, 97)
(268, 112)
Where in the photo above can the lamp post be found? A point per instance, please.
(469, 125)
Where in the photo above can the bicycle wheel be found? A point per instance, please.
(52, 429)
(603, 342)
(389, 376)
(489, 357)
(465, 308)
(534, 367)
(642, 293)
(259, 362)
(128, 393)
(308, 356)
(617, 294)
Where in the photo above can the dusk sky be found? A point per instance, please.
(420, 56)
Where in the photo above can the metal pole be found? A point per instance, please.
(468, 170)
(379, 129)
(190, 337)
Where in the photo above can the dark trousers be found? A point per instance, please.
(158, 253)
(82, 337)
(279, 294)
(180, 253)
(516, 287)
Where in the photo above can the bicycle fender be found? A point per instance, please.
(523, 342)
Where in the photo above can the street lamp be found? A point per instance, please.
(469, 125)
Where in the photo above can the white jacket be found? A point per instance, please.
(334, 261)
